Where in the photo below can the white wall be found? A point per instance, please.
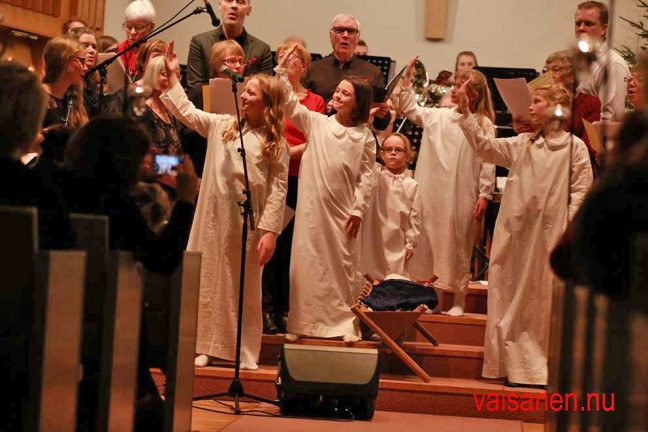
(508, 33)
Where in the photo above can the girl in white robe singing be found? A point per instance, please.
(550, 173)
(455, 186)
(390, 228)
(334, 188)
(217, 226)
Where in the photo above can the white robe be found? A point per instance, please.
(217, 227)
(542, 193)
(390, 225)
(451, 179)
(334, 183)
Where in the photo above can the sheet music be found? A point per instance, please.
(221, 98)
(516, 95)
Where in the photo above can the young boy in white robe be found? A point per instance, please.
(334, 189)
(390, 228)
(455, 186)
(218, 225)
(550, 173)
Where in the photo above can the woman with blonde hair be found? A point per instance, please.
(455, 185)
(216, 230)
(65, 68)
(549, 175)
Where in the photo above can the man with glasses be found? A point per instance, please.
(258, 57)
(139, 19)
(324, 75)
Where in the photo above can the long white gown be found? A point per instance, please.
(334, 183)
(542, 193)
(217, 227)
(390, 225)
(451, 178)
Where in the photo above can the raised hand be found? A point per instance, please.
(409, 72)
(171, 64)
(285, 60)
(464, 100)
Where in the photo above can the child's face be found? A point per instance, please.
(538, 110)
(394, 154)
(344, 98)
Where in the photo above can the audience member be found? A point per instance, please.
(276, 274)
(608, 73)
(139, 21)
(218, 225)
(258, 58)
(151, 49)
(335, 185)
(73, 23)
(65, 68)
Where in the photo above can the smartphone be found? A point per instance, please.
(163, 164)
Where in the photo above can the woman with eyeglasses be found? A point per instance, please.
(88, 40)
(65, 68)
(139, 19)
(276, 275)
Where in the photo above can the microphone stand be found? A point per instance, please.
(235, 389)
(102, 67)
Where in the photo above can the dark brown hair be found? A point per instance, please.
(363, 99)
(66, 24)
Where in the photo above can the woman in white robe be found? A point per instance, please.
(390, 228)
(550, 174)
(455, 186)
(217, 226)
(334, 188)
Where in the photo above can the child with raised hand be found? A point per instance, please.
(217, 226)
(549, 175)
(334, 189)
(390, 228)
(455, 185)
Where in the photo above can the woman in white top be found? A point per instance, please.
(549, 175)
(390, 228)
(217, 226)
(454, 183)
(334, 188)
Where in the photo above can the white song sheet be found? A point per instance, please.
(516, 95)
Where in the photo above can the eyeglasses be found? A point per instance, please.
(138, 28)
(234, 61)
(396, 150)
(342, 30)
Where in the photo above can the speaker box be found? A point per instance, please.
(323, 381)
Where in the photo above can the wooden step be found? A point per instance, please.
(445, 360)
(476, 298)
(441, 396)
(468, 329)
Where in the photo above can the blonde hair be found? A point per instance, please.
(554, 95)
(409, 150)
(58, 52)
(273, 117)
(301, 51)
(217, 52)
(152, 72)
(483, 105)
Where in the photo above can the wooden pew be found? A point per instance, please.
(41, 307)
(170, 319)
(112, 310)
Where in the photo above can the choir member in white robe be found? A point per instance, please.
(334, 188)
(217, 226)
(390, 228)
(550, 174)
(455, 186)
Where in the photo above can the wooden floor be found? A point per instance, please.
(212, 416)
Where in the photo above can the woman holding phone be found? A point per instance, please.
(217, 227)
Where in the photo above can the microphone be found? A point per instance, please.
(214, 19)
(232, 75)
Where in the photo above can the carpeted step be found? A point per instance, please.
(464, 330)
(476, 298)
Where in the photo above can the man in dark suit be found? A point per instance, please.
(257, 52)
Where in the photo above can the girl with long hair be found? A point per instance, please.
(334, 189)
(65, 68)
(549, 175)
(216, 231)
(455, 185)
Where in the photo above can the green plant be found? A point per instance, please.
(629, 54)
